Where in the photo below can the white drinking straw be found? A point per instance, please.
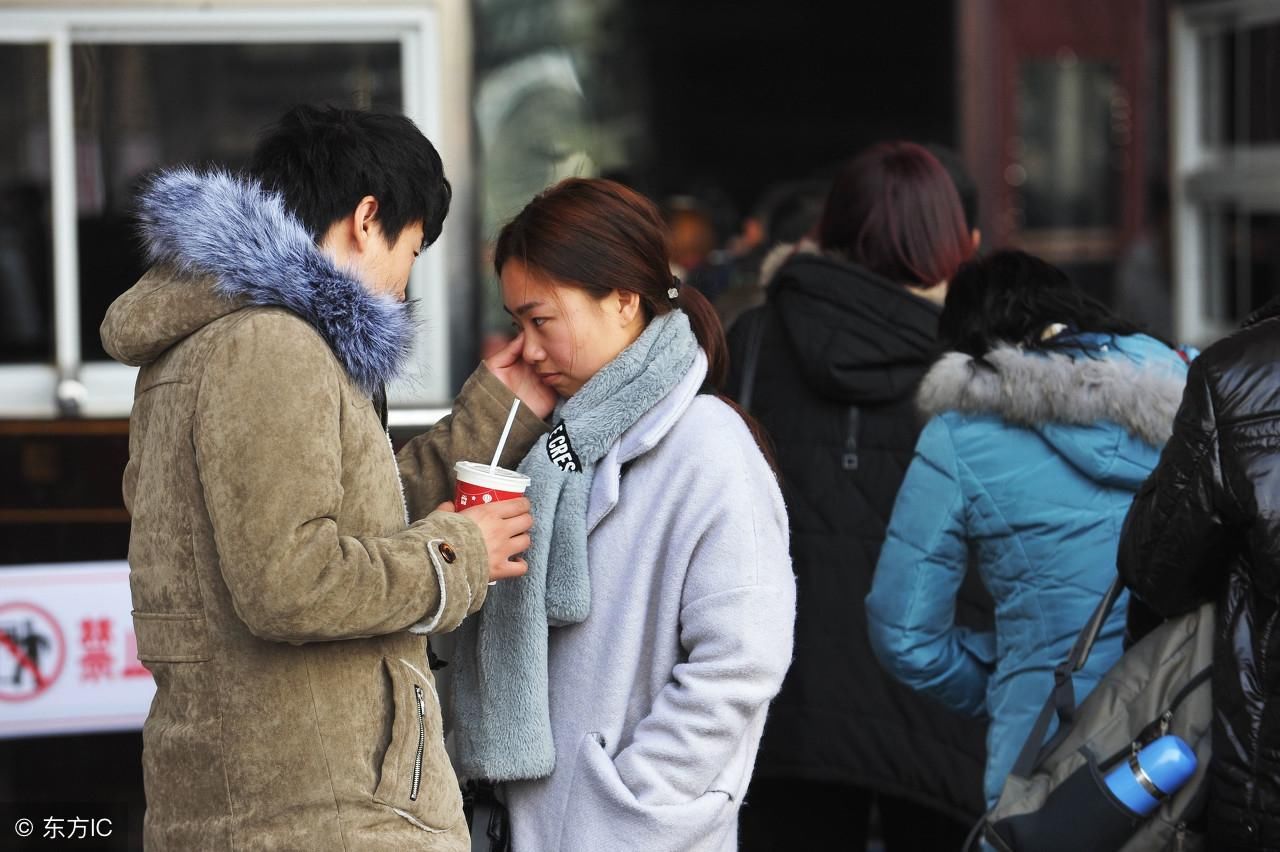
(506, 430)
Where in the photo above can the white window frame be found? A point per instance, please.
(434, 38)
(1205, 176)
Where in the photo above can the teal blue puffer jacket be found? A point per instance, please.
(1027, 467)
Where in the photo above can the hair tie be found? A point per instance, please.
(673, 292)
(1053, 329)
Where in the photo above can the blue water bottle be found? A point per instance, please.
(1152, 775)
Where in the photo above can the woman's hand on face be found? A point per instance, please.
(521, 379)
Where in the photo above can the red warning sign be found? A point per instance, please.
(32, 651)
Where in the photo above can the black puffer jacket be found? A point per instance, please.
(841, 354)
(1206, 526)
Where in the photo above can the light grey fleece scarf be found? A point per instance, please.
(499, 694)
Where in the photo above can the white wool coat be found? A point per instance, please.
(658, 699)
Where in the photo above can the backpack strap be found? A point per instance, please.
(1062, 700)
(751, 360)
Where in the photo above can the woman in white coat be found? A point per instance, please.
(619, 689)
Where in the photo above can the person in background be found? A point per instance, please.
(848, 330)
(779, 221)
(1205, 527)
(692, 234)
(1046, 413)
(283, 570)
(619, 689)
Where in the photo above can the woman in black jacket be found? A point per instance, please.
(847, 332)
(1206, 527)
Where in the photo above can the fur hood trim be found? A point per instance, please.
(1033, 389)
(228, 226)
(780, 254)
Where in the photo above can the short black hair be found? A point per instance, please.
(965, 187)
(323, 160)
(1010, 297)
(789, 210)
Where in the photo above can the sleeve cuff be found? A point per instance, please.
(460, 567)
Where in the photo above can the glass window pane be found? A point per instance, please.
(1073, 121)
(1243, 261)
(26, 265)
(559, 92)
(139, 107)
(1260, 86)
(1240, 84)
(1217, 81)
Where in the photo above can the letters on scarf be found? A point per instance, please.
(560, 451)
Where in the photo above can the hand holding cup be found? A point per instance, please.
(505, 526)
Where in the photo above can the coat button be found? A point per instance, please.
(447, 553)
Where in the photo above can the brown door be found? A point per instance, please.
(1052, 96)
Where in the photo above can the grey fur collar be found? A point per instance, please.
(227, 226)
(1033, 388)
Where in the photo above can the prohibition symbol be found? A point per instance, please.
(32, 651)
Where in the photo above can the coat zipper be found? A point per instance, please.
(422, 743)
(849, 459)
(1180, 838)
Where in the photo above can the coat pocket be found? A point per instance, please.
(417, 780)
(603, 813)
(171, 637)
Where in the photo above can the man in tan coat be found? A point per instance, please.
(284, 564)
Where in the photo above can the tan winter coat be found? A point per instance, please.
(274, 578)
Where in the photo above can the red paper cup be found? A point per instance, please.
(477, 485)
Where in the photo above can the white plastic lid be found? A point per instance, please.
(501, 479)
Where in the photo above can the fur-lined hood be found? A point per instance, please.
(780, 254)
(219, 232)
(1135, 383)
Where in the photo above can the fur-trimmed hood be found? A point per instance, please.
(780, 254)
(1134, 383)
(224, 243)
